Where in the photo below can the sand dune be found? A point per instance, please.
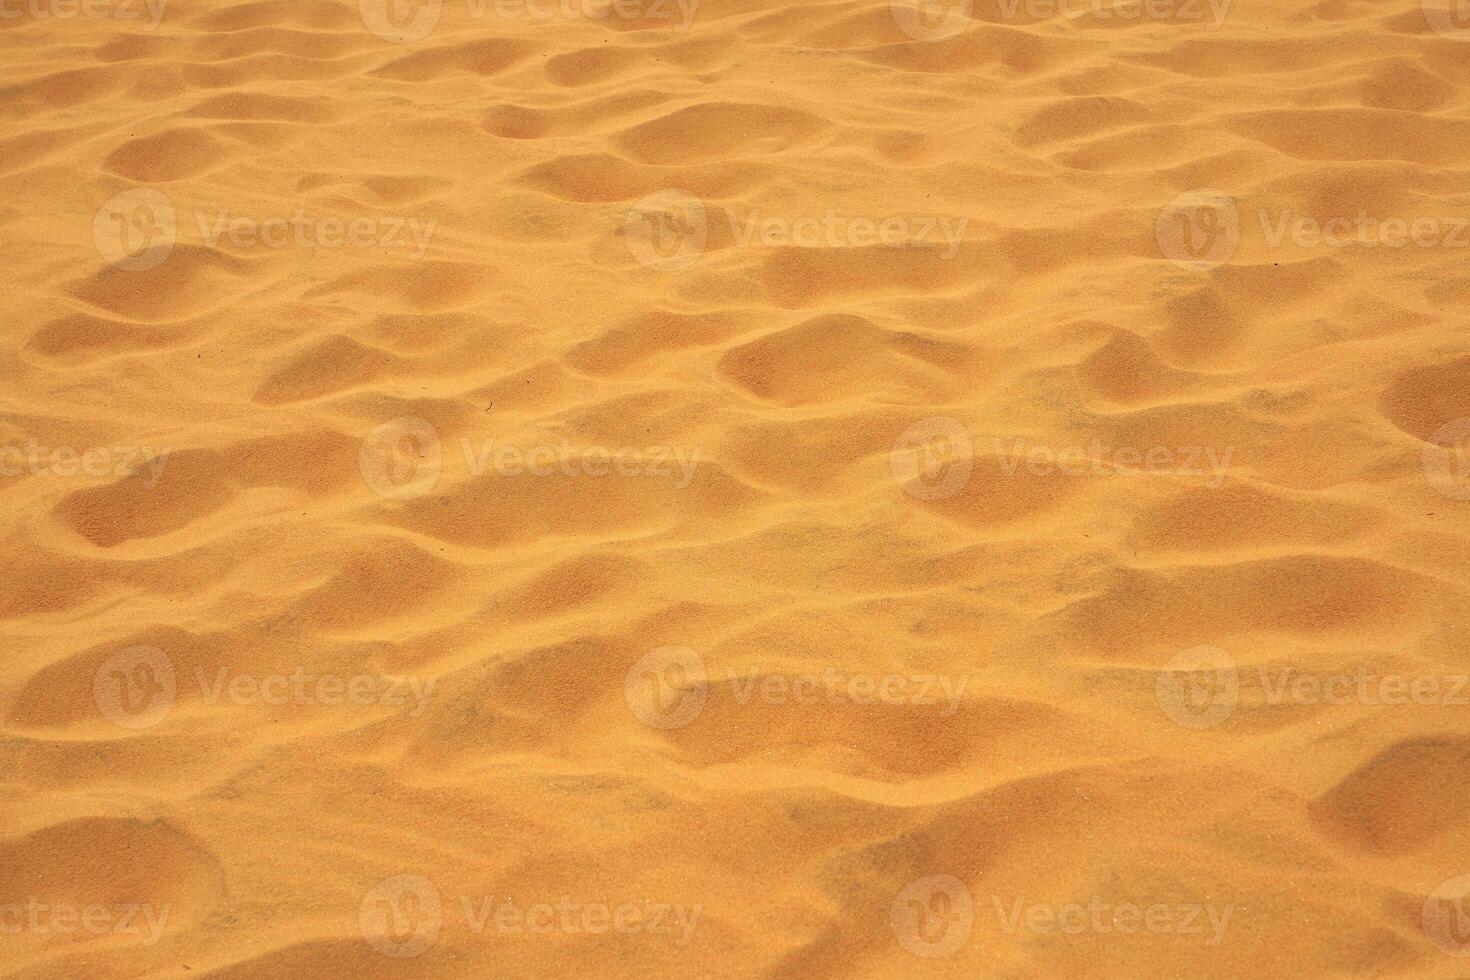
(726, 488)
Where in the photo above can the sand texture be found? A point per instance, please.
(734, 489)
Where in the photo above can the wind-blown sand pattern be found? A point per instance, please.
(735, 489)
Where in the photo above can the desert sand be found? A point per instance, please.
(735, 489)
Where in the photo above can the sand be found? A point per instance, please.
(734, 489)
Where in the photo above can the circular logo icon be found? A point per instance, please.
(1199, 230)
(1198, 688)
(401, 21)
(933, 916)
(401, 459)
(135, 687)
(1446, 460)
(666, 687)
(666, 231)
(932, 458)
(1446, 916)
(931, 20)
(1450, 19)
(135, 230)
(400, 916)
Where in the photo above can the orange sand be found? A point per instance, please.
(735, 489)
